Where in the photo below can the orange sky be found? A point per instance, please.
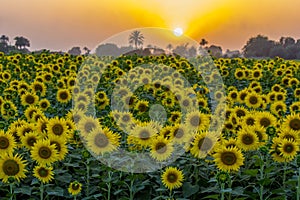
(61, 24)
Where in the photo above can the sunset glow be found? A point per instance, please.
(59, 25)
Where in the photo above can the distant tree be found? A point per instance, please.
(169, 47)
(258, 46)
(192, 51)
(203, 42)
(288, 41)
(181, 50)
(75, 51)
(87, 50)
(278, 50)
(4, 40)
(215, 51)
(21, 42)
(136, 38)
(108, 49)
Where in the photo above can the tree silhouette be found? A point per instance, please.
(21, 42)
(203, 42)
(4, 40)
(136, 38)
(87, 50)
(75, 51)
(258, 46)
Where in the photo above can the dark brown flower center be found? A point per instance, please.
(4, 142)
(228, 158)
(295, 124)
(172, 177)
(10, 167)
(101, 140)
(45, 152)
(58, 129)
(161, 147)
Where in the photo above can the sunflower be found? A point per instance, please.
(161, 148)
(30, 139)
(87, 124)
(60, 146)
(12, 166)
(102, 141)
(265, 119)
(44, 153)
(25, 128)
(57, 126)
(240, 111)
(7, 143)
(242, 95)
(180, 134)
(249, 119)
(260, 132)
(39, 88)
(247, 139)
(203, 144)
(196, 121)
(253, 100)
(142, 106)
(144, 134)
(63, 95)
(229, 159)
(278, 108)
(175, 117)
(292, 122)
(288, 148)
(275, 152)
(289, 135)
(297, 93)
(172, 178)
(75, 188)
(44, 104)
(43, 173)
(294, 107)
(239, 74)
(30, 110)
(233, 95)
(29, 99)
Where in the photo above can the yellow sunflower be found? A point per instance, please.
(7, 143)
(75, 188)
(144, 134)
(161, 148)
(247, 139)
(292, 122)
(60, 145)
(265, 119)
(87, 124)
(44, 104)
(288, 148)
(253, 100)
(57, 126)
(44, 153)
(203, 144)
(12, 166)
(229, 159)
(29, 99)
(196, 121)
(43, 173)
(30, 139)
(102, 141)
(63, 95)
(172, 178)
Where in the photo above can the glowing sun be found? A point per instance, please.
(178, 32)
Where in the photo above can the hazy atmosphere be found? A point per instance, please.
(59, 25)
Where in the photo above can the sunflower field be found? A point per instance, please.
(148, 127)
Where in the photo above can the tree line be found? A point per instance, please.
(259, 46)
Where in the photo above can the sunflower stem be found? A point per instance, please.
(261, 190)
(11, 185)
(109, 185)
(88, 177)
(131, 188)
(298, 186)
(222, 191)
(42, 191)
(284, 175)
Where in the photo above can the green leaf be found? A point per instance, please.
(251, 172)
(65, 178)
(213, 196)
(57, 191)
(23, 190)
(189, 189)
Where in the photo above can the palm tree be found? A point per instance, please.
(203, 42)
(136, 38)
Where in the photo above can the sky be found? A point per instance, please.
(62, 24)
